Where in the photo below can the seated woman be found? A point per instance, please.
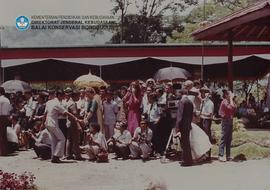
(119, 142)
(97, 143)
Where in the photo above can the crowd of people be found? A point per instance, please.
(251, 110)
(134, 122)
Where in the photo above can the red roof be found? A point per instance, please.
(128, 51)
(249, 24)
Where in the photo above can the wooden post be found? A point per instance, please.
(230, 61)
(268, 92)
(1, 76)
(202, 65)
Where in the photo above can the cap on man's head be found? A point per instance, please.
(188, 84)
(150, 81)
(82, 90)
(144, 118)
(68, 90)
(204, 90)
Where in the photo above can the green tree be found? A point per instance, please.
(210, 11)
(234, 5)
(148, 21)
(151, 8)
(122, 7)
(135, 31)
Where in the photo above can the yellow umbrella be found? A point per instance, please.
(89, 80)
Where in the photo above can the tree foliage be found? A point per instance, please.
(140, 29)
(147, 25)
(212, 10)
(150, 8)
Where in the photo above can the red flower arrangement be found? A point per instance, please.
(12, 181)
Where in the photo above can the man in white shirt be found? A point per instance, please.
(120, 141)
(206, 114)
(110, 109)
(52, 111)
(43, 143)
(29, 108)
(5, 109)
(81, 103)
(153, 112)
(145, 101)
(97, 142)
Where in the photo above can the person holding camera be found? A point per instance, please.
(226, 111)
(140, 144)
(133, 100)
(42, 146)
(96, 142)
(119, 142)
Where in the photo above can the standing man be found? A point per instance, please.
(91, 107)
(226, 111)
(52, 111)
(110, 113)
(73, 128)
(29, 109)
(206, 114)
(183, 124)
(5, 108)
(81, 103)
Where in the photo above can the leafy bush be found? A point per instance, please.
(12, 181)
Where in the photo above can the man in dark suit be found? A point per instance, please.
(183, 124)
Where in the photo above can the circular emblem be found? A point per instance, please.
(22, 23)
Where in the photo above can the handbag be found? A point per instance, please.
(102, 156)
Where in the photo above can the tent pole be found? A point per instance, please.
(258, 93)
(202, 65)
(1, 70)
(268, 92)
(1, 66)
(230, 61)
(100, 71)
(3, 74)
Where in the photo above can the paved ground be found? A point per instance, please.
(136, 175)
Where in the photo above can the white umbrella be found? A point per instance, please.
(89, 80)
(13, 86)
(171, 73)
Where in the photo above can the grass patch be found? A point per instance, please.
(242, 142)
(251, 151)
